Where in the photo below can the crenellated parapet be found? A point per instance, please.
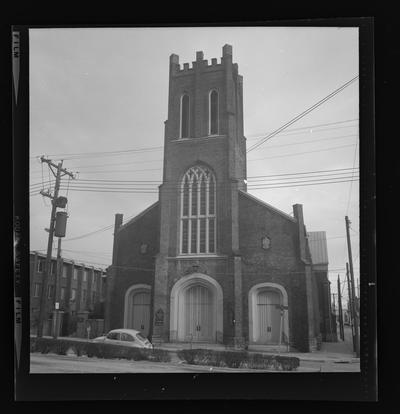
(201, 64)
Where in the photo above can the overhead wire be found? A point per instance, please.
(309, 127)
(160, 159)
(255, 186)
(156, 148)
(303, 114)
(249, 178)
(251, 160)
(350, 188)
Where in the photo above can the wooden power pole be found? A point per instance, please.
(341, 327)
(355, 321)
(58, 172)
(349, 305)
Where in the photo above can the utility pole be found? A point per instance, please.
(356, 336)
(341, 328)
(350, 306)
(334, 315)
(57, 281)
(58, 172)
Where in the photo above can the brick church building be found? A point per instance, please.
(208, 262)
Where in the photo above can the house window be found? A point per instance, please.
(36, 290)
(185, 116)
(73, 294)
(85, 275)
(49, 291)
(93, 297)
(94, 284)
(198, 227)
(40, 266)
(62, 293)
(213, 113)
(84, 296)
(75, 273)
(65, 271)
(53, 268)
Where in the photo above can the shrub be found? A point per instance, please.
(157, 355)
(288, 363)
(238, 359)
(234, 359)
(97, 349)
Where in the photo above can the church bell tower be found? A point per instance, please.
(204, 167)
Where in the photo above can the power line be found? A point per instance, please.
(304, 172)
(250, 178)
(271, 181)
(303, 114)
(351, 184)
(300, 153)
(221, 184)
(274, 182)
(308, 128)
(256, 181)
(149, 191)
(156, 148)
(160, 160)
(257, 159)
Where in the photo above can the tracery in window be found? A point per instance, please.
(197, 227)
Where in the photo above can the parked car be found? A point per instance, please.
(126, 337)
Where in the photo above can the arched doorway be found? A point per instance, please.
(137, 308)
(199, 313)
(196, 310)
(268, 314)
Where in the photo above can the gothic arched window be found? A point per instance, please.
(213, 113)
(198, 216)
(185, 104)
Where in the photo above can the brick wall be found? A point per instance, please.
(132, 265)
(280, 263)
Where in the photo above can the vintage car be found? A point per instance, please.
(126, 337)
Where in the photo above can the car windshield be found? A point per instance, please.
(141, 337)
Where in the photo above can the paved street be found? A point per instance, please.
(52, 363)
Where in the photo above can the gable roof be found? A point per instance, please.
(140, 215)
(318, 247)
(268, 206)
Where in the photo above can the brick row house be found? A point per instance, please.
(208, 262)
(81, 288)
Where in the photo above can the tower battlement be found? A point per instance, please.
(200, 63)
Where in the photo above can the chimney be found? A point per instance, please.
(298, 215)
(117, 225)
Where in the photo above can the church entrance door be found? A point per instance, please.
(140, 317)
(199, 314)
(269, 317)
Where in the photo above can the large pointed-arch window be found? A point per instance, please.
(198, 212)
(185, 104)
(213, 113)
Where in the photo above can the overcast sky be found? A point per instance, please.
(105, 89)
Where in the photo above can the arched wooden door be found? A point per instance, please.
(140, 316)
(199, 314)
(268, 317)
